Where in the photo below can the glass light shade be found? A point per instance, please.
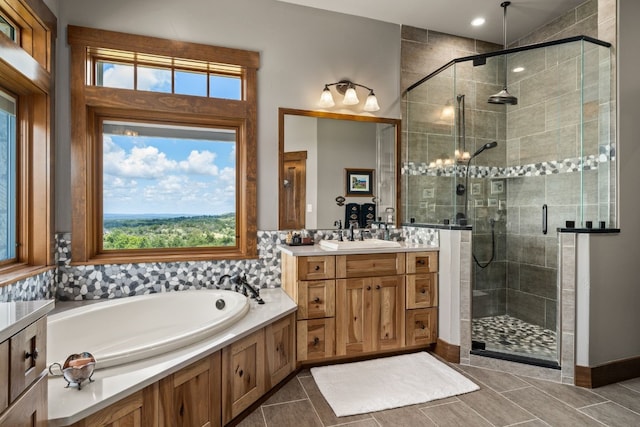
(326, 99)
(371, 104)
(350, 97)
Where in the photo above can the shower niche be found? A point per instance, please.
(514, 173)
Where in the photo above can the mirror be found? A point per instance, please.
(319, 152)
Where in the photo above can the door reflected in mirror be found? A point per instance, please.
(316, 151)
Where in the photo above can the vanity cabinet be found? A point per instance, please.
(23, 378)
(369, 303)
(280, 350)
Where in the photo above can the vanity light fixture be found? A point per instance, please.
(348, 89)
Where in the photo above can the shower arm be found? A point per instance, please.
(504, 5)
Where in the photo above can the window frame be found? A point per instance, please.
(26, 67)
(90, 104)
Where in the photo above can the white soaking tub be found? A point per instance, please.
(133, 328)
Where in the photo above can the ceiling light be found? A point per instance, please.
(518, 69)
(348, 89)
(478, 21)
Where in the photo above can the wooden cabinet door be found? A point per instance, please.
(387, 306)
(422, 290)
(30, 409)
(191, 396)
(280, 343)
(353, 316)
(137, 410)
(422, 326)
(243, 374)
(316, 299)
(28, 356)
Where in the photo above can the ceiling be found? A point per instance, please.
(454, 16)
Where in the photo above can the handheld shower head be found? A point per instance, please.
(486, 146)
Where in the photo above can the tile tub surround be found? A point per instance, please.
(68, 405)
(38, 287)
(88, 282)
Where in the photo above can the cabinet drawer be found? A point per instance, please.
(422, 262)
(368, 265)
(28, 356)
(316, 267)
(422, 326)
(316, 299)
(316, 338)
(422, 290)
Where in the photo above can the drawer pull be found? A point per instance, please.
(378, 287)
(421, 262)
(316, 341)
(420, 325)
(316, 300)
(423, 291)
(368, 288)
(33, 355)
(317, 268)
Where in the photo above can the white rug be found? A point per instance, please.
(379, 384)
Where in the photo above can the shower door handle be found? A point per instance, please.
(544, 219)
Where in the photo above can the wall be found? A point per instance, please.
(612, 274)
(301, 50)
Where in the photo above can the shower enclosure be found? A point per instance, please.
(514, 174)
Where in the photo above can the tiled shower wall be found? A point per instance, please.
(86, 282)
(528, 163)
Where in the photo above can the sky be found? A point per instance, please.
(144, 175)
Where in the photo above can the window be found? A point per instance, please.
(8, 175)
(163, 149)
(26, 146)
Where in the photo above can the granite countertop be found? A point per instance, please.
(17, 315)
(69, 405)
(316, 250)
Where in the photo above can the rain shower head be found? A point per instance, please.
(504, 97)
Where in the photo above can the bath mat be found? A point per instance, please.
(391, 382)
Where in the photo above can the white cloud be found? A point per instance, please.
(200, 163)
(142, 162)
(153, 79)
(119, 76)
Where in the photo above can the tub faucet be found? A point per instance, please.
(221, 281)
(244, 285)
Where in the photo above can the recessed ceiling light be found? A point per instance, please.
(477, 22)
(518, 69)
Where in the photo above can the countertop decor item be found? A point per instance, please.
(76, 369)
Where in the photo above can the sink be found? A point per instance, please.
(336, 245)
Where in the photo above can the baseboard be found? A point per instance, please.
(598, 376)
(449, 352)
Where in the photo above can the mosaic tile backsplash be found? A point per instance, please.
(84, 282)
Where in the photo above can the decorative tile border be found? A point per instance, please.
(40, 286)
(570, 165)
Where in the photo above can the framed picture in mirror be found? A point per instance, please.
(359, 182)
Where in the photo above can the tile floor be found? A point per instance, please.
(503, 400)
(511, 335)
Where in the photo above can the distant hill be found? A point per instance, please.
(140, 231)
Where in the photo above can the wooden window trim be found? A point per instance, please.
(28, 77)
(89, 102)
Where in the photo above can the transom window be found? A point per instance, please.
(163, 149)
(129, 70)
(9, 29)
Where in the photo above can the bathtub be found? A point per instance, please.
(133, 328)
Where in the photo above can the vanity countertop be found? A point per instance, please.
(316, 250)
(69, 405)
(17, 315)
